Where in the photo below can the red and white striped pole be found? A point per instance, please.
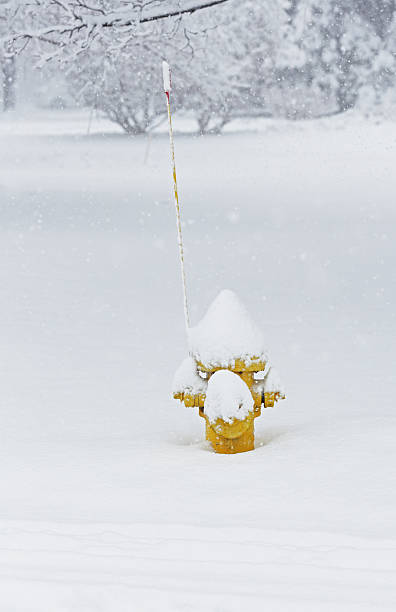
(167, 89)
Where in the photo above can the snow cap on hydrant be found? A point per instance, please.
(227, 375)
(226, 335)
(227, 398)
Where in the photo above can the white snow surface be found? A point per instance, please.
(226, 333)
(110, 498)
(187, 379)
(228, 397)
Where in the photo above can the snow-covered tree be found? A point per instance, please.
(379, 93)
(339, 47)
(7, 58)
(232, 61)
(112, 49)
(222, 67)
(71, 26)
(124, 85)
(295, 58)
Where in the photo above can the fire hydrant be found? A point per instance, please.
(227, 376)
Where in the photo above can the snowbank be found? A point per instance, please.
(226, 333)
(228, 397)
(100, 506)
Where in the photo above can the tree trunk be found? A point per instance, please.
(9, 78)
(203, 122)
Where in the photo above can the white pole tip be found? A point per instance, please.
(166, 73)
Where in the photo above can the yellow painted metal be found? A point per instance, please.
(231, 438)
(271, 398)
(191, 401)
(239, 366)
(237, 436)
(257, 397)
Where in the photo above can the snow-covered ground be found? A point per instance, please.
(110, 500)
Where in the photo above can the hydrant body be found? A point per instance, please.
(225, 439)
(230, 387)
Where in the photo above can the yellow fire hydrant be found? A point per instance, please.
(227, 375)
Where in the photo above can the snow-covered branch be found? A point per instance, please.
(192, 7)
(67, 22)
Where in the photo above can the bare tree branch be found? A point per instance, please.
(190, 11)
